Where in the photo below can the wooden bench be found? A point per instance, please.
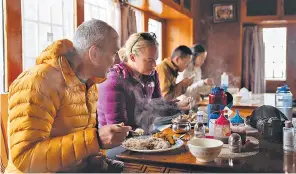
(4, 143)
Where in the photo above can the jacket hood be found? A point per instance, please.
(57, 54)
(57, 49)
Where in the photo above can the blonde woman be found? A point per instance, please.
(132, 81)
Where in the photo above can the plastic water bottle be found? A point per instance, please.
(199, 128)
(224, 81)
(283, 101)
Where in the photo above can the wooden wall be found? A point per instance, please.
(178, 32)
(223, 42)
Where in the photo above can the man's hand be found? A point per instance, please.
(209, 82)
(187, 81)
(112, 135)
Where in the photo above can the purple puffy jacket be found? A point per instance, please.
(120, 93)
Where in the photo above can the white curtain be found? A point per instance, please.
(114, 16)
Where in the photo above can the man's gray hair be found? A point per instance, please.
(92, 32)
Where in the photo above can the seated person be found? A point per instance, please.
(199, 85)
(52, 106)
(168, 71)
(129, 82)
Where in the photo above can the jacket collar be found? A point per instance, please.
(70, 77)
(172, 66)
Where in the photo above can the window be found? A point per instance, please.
(275, 41)
(139, 19)
(2, 62)
(105, 10)
(95, 9)
(156, 27)
(42, 23)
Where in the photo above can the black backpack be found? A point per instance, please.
(269, 121)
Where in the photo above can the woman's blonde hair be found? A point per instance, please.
(135, 43)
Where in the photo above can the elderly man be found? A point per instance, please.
(52, 106)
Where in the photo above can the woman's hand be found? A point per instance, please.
(209, 82)
(186, 104)
(187, 81)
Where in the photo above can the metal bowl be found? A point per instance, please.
(181, 127)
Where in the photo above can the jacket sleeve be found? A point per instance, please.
(32, 111)
(111, 103)
(168, 90)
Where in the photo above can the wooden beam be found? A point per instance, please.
(146, 20)
(13, 40)
(280, 8)
(79, 12)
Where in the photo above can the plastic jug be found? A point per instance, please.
(224, 81)
(218, 96)
(222, 126)
(283, 101)
(217, 102)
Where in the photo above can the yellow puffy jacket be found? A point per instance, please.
(52, 115)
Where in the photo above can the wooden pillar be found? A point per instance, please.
(13, 40)
(79, 12)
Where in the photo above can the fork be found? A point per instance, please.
(131, 133)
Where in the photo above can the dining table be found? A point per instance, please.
(270, 159)
(246, 107)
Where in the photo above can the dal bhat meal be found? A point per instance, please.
(156, 142)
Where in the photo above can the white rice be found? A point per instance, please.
(146, 143)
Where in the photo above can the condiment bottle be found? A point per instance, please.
(238, 126)
(217, 102)
(288, 144)
(199, 128)
(222, 126)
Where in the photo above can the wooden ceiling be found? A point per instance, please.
(158, 8)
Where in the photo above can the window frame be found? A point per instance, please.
(97, 6)
(160, 46)
(39, 22)
(2, 56)
(146, 17)
(13, 36)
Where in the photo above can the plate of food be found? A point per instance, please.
(158, 142)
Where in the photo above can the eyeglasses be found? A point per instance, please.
(146, 36)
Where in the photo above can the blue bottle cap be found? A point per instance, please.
(237, 118)
(217, 90)
(284, 89)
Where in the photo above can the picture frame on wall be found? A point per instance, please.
(224, 12)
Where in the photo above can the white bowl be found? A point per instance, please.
(205, 150)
